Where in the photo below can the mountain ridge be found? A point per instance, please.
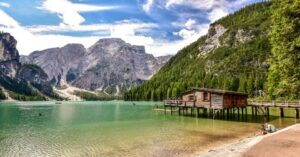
(111, 65)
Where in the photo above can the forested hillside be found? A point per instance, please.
(284, 74)
(233, 56)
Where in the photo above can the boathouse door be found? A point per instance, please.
(216, 101)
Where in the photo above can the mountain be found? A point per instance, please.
(59, 63)
(232, 55)
(110, 66)
(21, 81)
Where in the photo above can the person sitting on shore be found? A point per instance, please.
(263, 129)
(268, 128)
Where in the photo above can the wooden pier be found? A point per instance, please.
(264, 107)
(257, 108)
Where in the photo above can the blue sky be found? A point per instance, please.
(162, 26)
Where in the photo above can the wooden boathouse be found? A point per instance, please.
(216, 102)
(212, 101)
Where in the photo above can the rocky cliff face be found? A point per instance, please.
(9, 55)
(212, 41)
(110, 65)
(59, 63)
(17, 77)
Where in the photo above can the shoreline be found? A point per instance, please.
(239, 147)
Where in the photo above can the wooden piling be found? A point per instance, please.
(281, 112)
(297, 113)
(243, 112)
(255, 111)
(227, 114)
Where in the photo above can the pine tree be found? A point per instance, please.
(284, 73)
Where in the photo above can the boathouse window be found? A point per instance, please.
(191, 98)
(205, 96)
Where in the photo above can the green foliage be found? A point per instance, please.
(234, 66)
(284, 73)
(20, 97)
(94, 97)
(19, 90)
(16, 86)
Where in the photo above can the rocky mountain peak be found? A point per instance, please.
(111, 46)
(74, 46)
(8, 50)
(107, 41)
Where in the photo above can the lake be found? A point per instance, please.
(113, 128)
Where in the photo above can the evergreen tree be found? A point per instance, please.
(284, 73)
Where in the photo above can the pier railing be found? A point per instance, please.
(257, 106)
(180, 103)
(274, 103)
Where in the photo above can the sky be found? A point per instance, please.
(162, 26)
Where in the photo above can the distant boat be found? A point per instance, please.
(58, 102)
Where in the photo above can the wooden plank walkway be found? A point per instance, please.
(257, 107)
(265, 106)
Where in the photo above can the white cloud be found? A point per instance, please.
(189, 23)
(189, 36)
(42, 37)
(3, 4)
(122, 26)
(215, 9)
(29, 42)
(147, 6)
(69, 12)
(200, 4)
(7, 21)
(216, 14)
(185, 34)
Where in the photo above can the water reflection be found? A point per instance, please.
(66, 113)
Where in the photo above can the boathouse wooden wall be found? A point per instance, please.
(214, 100)
(232, 100)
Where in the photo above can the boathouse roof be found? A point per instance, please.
(217, 91)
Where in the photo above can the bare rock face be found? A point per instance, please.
(8, 51)
(59, 63)
(9, 55)
(243, 36)
(110, 65)
(11, 70)
(212, 42)
(114, 66)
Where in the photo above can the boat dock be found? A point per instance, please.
(256, 108)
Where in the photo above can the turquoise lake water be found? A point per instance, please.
(112, 128)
